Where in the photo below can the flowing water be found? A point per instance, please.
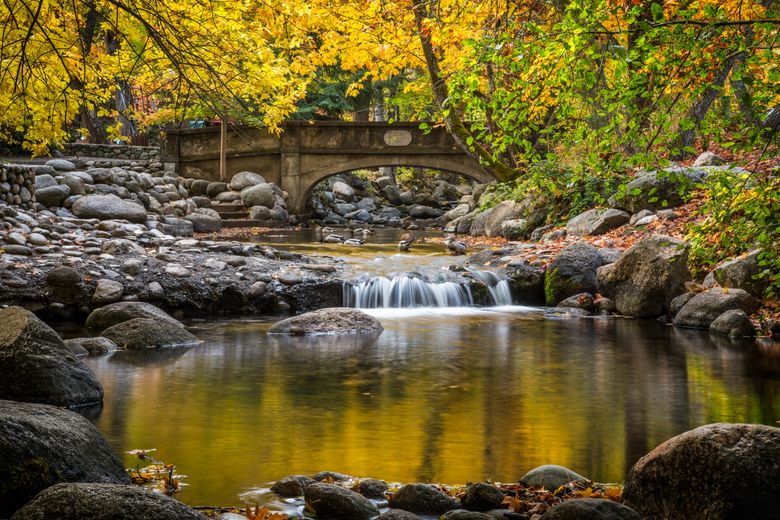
(448, 393)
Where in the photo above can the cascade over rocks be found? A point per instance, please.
(700, 311)
(717, 471)
(37, 367)
(335, 320)
(104, 502)
(334, 501)
(646, 278)
(42, 445)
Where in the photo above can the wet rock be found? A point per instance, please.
(482, 497)
(740, 273)
(423, 499)
(424, 212)
(257, 289)
(149, 333)
(333, 501)
(397, 514)
(97, 346)
(292, 486)
(582, 301)
(258, 195)
(464, 514)
(107, 291)
(243, 180)
(330, 476)
(42, 445)
(108, 207)
(373, 488)
(646, 277)
(336, 320)
(572, 272)
(119, 312)
(290, 279)
(63, 284)
(701, 310)
(76, 349)
(527, 284)
(550, 476)
(717, 471)
(596, 221)
(734, 323)
(37, 367)
(104, 502)
(590, 509)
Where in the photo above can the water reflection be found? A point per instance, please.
(447, 397)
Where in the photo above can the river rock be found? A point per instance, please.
(423, 499)
(590, 509)
(122, 246)
(37, 367)
(204, 223)
(343, 191)
(110, 315)
(582, 301)
(330, 476)
(61, 165)
(108, 207)
(740, 273)
(334, 320)
(258, 195)
(44, 181)
(42, 445)
(334, 501)
(149, 333)
(292, 486)
(572, 272)
(107, 291)
(373, 488)
(397, 514)
(701, 310)
(465, 514)
(52, 196)
(550, 476)
(96, 346)
(104, 502)
(646, 277)
(482, 497)
(596, 221)
(717, 471)
(63, 284)
(243, 180)
(424, 212)
(496, 216)
(734, 323)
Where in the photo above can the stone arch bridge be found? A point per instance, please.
(306, 153)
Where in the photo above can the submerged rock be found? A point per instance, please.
(37, 367)
(96, 346)
(336, 502)
(42, 445)
(104, 502)
(717, 471)
(423, 499)
(149, 333)
(334, 320)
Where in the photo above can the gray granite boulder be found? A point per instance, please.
(243, 180)
(596, 221)
(258, 195)
(550, 476)
(423, 499)
(734, 323)
(96, 346)
(149, 333)
(590, 509)
(336, 502)
(482, 497)
(700, 311)
(572, 272)
(740, 273)
(108, 207)
(104, 317)
(334, 320)
(42, 445)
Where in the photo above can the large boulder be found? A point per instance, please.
(64, 285)
(243, 180)
(496, 216)
(590, 509)
(53, 196)
(646, 278)
(550, 476)
(258, 195)
(734, 323)
(423, 499)
(204, 222)
(37, 367)
(572, 272)
(482, 497)
(108, 207)
(104, 502)
(596, 221)
(740, 273)
(717, 471)
(338, 503)
(701, 310)
(656, 190)
(149, 333)
(104, 317)
(343, 191)
(424, 212)
(42, 445)
(334, 320)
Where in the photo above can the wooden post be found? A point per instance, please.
(223, 150)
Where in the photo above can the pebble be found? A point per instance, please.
(177, 270)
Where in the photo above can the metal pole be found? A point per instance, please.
(223, 150)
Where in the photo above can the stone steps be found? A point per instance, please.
(234, 216)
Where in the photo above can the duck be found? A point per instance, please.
(455, 247)
(408, 237)
(353, 242)
(322, 232)
(364, 232)
(333, 239)
(404, 245)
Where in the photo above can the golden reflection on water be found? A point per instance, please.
(442, 398)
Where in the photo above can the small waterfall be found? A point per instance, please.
(408, 290)
(498, 288)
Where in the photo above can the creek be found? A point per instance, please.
(448, 393)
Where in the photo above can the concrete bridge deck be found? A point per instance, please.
(305, 153)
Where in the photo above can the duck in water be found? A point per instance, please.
(333, 239)
(363, 233)
(322, 233)
(353, 242)
(404, 245)
(455, 247)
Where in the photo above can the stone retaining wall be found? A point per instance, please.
(112, 151)
(17, 185)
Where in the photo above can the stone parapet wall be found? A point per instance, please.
(17, 185)
(112, 151)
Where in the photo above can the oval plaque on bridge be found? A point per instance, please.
(398, 138)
